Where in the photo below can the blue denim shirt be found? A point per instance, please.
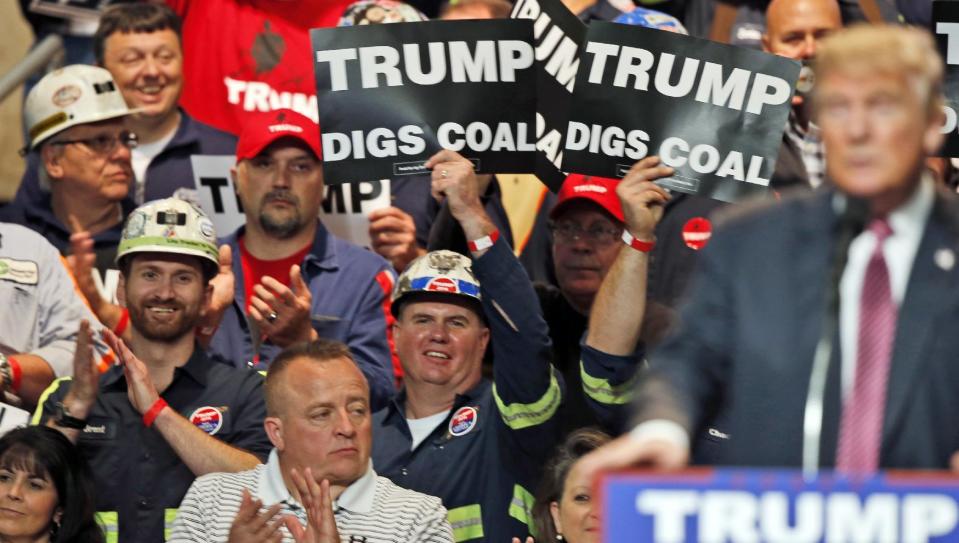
(350, 288)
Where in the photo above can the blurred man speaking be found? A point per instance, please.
(734, 379)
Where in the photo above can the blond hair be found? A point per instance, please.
(885, 50)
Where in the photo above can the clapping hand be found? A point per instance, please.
(283, 313)
(140, 387)
(252, 526)
(318, 502)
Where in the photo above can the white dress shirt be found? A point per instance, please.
(908, 222)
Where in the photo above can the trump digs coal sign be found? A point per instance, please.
(392, 95)
(714, 112)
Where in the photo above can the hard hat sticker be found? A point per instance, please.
(206, 228)
(135, 225)
(442, 284)
(66, 95)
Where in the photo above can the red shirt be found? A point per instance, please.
(254, 269)
(241, 56)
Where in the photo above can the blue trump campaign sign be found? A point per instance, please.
(778, 506)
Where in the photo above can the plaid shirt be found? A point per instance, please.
(810, 148)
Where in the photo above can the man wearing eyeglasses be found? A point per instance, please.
(75, 117)
(586, 223)
(587, 226)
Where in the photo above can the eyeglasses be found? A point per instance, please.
(104, 144)
(601, 235)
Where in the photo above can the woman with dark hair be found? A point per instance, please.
(564, 504)
(46, 489)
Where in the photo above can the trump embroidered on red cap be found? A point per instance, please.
(263, 129)
(599, 190)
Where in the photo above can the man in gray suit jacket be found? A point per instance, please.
(730, 386)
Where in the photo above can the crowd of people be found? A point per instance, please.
(456, 380)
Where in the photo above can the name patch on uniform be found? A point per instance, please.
(25, 272)
(99, 429)
(463, 421)
(209, 419)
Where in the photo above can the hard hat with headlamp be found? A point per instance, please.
(73, 95)
(170, 225)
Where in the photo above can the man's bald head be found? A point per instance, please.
(794, 27)
(277, 388)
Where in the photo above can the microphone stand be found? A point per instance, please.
(851, 223)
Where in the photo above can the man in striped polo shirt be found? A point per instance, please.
(319, 483)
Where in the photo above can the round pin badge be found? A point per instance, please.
(209, 419)
(945, 259)
(696, 233)
(463, 421)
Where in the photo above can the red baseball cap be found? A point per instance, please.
(599, 190)
(261, 130)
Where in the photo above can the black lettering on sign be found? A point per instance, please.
(335, 196)
(359, 196)
(215, 184)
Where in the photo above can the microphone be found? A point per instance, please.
(851, 223)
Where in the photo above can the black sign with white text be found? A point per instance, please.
(714, 112)
(945, 26)
(558, 35)
(390, 96)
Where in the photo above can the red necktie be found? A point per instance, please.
(860, 430)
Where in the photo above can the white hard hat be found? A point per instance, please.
(437, 272)
(72, 95)
(170, 225)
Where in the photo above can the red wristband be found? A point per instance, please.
(15, 373)
(122, 324)
(484, 242)
(639, 245)
(154, 412)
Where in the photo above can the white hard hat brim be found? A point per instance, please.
(92, 119)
